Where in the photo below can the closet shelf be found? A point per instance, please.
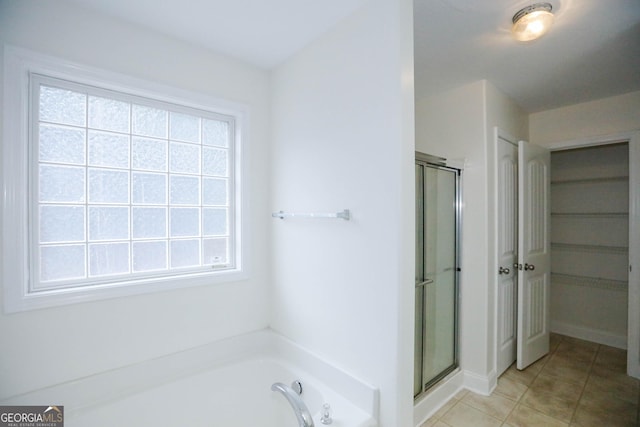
(574, 247)
(590, 180)
(589, 282)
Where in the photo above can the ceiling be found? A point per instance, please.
(261, 32)
(591, 52)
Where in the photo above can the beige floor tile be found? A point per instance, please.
(619, 377)
(554, 341)
(462, 415)
(495, 405)
(431, 422)
(585, 356)
(538, 364)
(523, 416)
(440, 412)
(567, 369)
(566, 390)
(525, 377)
(611, 358)
(510, 389)
(579, 383)
(578, 343)
(606, 404)
(578, 358)
(628, 390)
(587, 416)
(462, 393)
(549, 404)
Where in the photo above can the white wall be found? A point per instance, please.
(343, 138)
(459, 124)
(45, 347)
(606, 116)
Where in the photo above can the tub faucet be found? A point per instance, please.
(296, 402)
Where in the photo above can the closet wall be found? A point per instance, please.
(589, 243)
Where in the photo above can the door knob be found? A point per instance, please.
(529, 267)
(503, 270)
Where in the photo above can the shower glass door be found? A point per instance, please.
(436, 284)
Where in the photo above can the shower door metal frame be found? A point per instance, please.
(427, 160)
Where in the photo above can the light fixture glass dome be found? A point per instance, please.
(532, 22)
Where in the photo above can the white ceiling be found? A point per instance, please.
(592, 51)
(262, 32)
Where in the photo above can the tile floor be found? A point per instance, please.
(579, 383)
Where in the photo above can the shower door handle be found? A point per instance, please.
(422, 284)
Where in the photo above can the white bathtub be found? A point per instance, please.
(236, 395)
(225, 384)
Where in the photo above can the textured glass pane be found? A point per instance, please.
(214, 191)
(149, 121)
(108, 114)
(214, 222)
(61, 262)
(149, 223)
(215, 132)
(108, 149)
(185, 222)
(109, 258)
(108, 186)
(214, 162)
(149, 188)
(149, 256)
(60, 224)
(185, 127)
(185, 253)
(149, 154)
(185, 190)
(61, 184)
(215, 251)
(184, 158)
(108, 223)
(61, 144)
(62, 106)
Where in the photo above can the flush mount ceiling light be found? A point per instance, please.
(532, 22)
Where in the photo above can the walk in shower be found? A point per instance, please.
(437, 268)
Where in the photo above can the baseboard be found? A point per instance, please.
(429, 404)
(443, 392)
(589, 334)
(481, 384)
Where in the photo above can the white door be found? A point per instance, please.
(533, 254)
(507, 245)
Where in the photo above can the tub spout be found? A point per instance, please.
(296, 402)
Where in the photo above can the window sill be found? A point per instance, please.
(17, 302)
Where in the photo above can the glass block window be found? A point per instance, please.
(125, 187)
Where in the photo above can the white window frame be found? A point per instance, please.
(19, 64)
